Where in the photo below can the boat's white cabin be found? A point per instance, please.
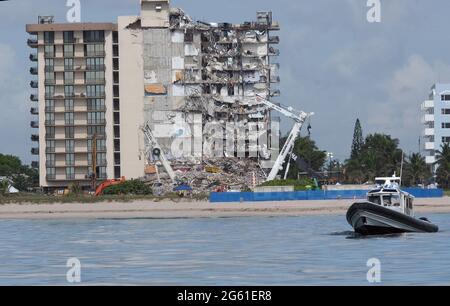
(388, 194)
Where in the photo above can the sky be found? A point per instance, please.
(333, 61)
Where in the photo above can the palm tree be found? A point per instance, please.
(416, 170)
(443, 162)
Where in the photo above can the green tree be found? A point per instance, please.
(4, 186)
(379, 156)
(358, 140)
(21, 176)
(443, 163)
(416, 170)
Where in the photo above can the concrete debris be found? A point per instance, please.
(217, 174)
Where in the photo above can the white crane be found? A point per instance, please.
(157, 151)
(299, 118)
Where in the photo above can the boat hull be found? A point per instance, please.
(371, 219)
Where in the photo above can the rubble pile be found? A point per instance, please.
(218, 174)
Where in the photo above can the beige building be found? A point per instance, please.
(103, 81)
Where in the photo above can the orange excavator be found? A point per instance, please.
(108, 183)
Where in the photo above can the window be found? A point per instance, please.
(49, 64)
(50, 146)
(95, 76)
(51, 173)
(68, 77)
(115, 50)
(446, 139)
(50, 160)
(50, 77)
(446, 111)
(49, 91)
(50, 132)
(98, 130)
(70, 146)
(70, 132)
(68, 51)
(49, 50)
(115, 37)
(101, 159)
(49, 105)
(445, 97)
(116, 90)
(50, 118)
(68, 37)
(68, 105)
(70, 173)
(117, 158)
(116, 104)
(446, 125)
(95, 63)
(102, 172)
(95, 90)
(117, 145)
(68, 64)
(116, 118)
(117, 172)
(93, 36)
(94, 50)
(115, 64)
(116, 131)
(96, 118)
(70, 159)
(116, 77)
(69, 118)
(69, 91)
(96, 104)
(49, 37)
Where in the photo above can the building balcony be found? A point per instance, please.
(428, 132)
(34, 111)
(274, 79)
(430, 159)
(427, 104)
(34, 70)
(429, 146)
(35, 164)
(96, 81)
(274, 40)
(34, 137)
(273, 52)
(95, 67)
(50, 82)
(32, 42)
(50, 150)
(50, 164)
(34, 98)
(34, 84)
(95, 54)
(50, 177)
(33, 57)
(34, 124)
(428, 118)
(35, 151)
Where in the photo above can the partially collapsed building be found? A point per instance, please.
(103, 82)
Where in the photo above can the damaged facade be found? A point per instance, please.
(177, 74)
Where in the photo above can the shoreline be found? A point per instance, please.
(170, 210)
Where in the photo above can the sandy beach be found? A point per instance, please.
(168, 209)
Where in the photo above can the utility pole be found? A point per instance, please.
(94, 162)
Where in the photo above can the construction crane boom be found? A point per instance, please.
(159, 152)
(299, 119)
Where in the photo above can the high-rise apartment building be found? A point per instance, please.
(97, 84)
(436, 119)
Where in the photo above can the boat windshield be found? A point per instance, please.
(391, 200)
(376, 199)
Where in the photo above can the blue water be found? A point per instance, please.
(310, 250)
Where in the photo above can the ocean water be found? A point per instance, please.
(309, 250)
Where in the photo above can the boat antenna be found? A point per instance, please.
(401, 168)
